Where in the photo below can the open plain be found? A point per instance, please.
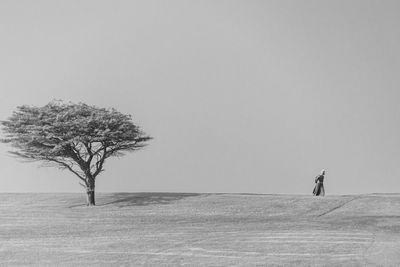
(184, 229)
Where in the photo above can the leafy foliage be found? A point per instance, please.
(77, 137)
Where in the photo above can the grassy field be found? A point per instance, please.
(173, 229)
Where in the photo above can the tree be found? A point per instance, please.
(75, 137)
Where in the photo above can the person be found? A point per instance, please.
(319, 189)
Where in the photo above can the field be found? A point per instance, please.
(176, 229)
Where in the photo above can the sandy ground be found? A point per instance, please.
(172, 229)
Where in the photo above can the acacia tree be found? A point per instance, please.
(75, 137)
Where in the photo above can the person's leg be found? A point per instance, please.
(322, 190)
(318, 189)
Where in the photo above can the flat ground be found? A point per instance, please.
(173, 229)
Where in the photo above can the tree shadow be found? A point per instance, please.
(141, 199)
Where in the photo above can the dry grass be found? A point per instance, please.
(172, 229)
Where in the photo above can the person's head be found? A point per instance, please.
(323, 172)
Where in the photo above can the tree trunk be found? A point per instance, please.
(90, 193)
(90, 198)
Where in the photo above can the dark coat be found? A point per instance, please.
(319, 189)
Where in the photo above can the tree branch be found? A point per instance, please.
(99, 164)
(66, 166)
(84, 186)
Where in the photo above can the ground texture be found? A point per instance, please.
(173, 229)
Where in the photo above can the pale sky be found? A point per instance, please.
(240, 96)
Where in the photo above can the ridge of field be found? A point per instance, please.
(176, 229)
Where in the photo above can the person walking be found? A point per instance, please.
(319, 189)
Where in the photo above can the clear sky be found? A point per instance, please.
(240, 96)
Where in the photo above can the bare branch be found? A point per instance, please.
(100, 162)
(66, 166)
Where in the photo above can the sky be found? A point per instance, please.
(239, 96)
